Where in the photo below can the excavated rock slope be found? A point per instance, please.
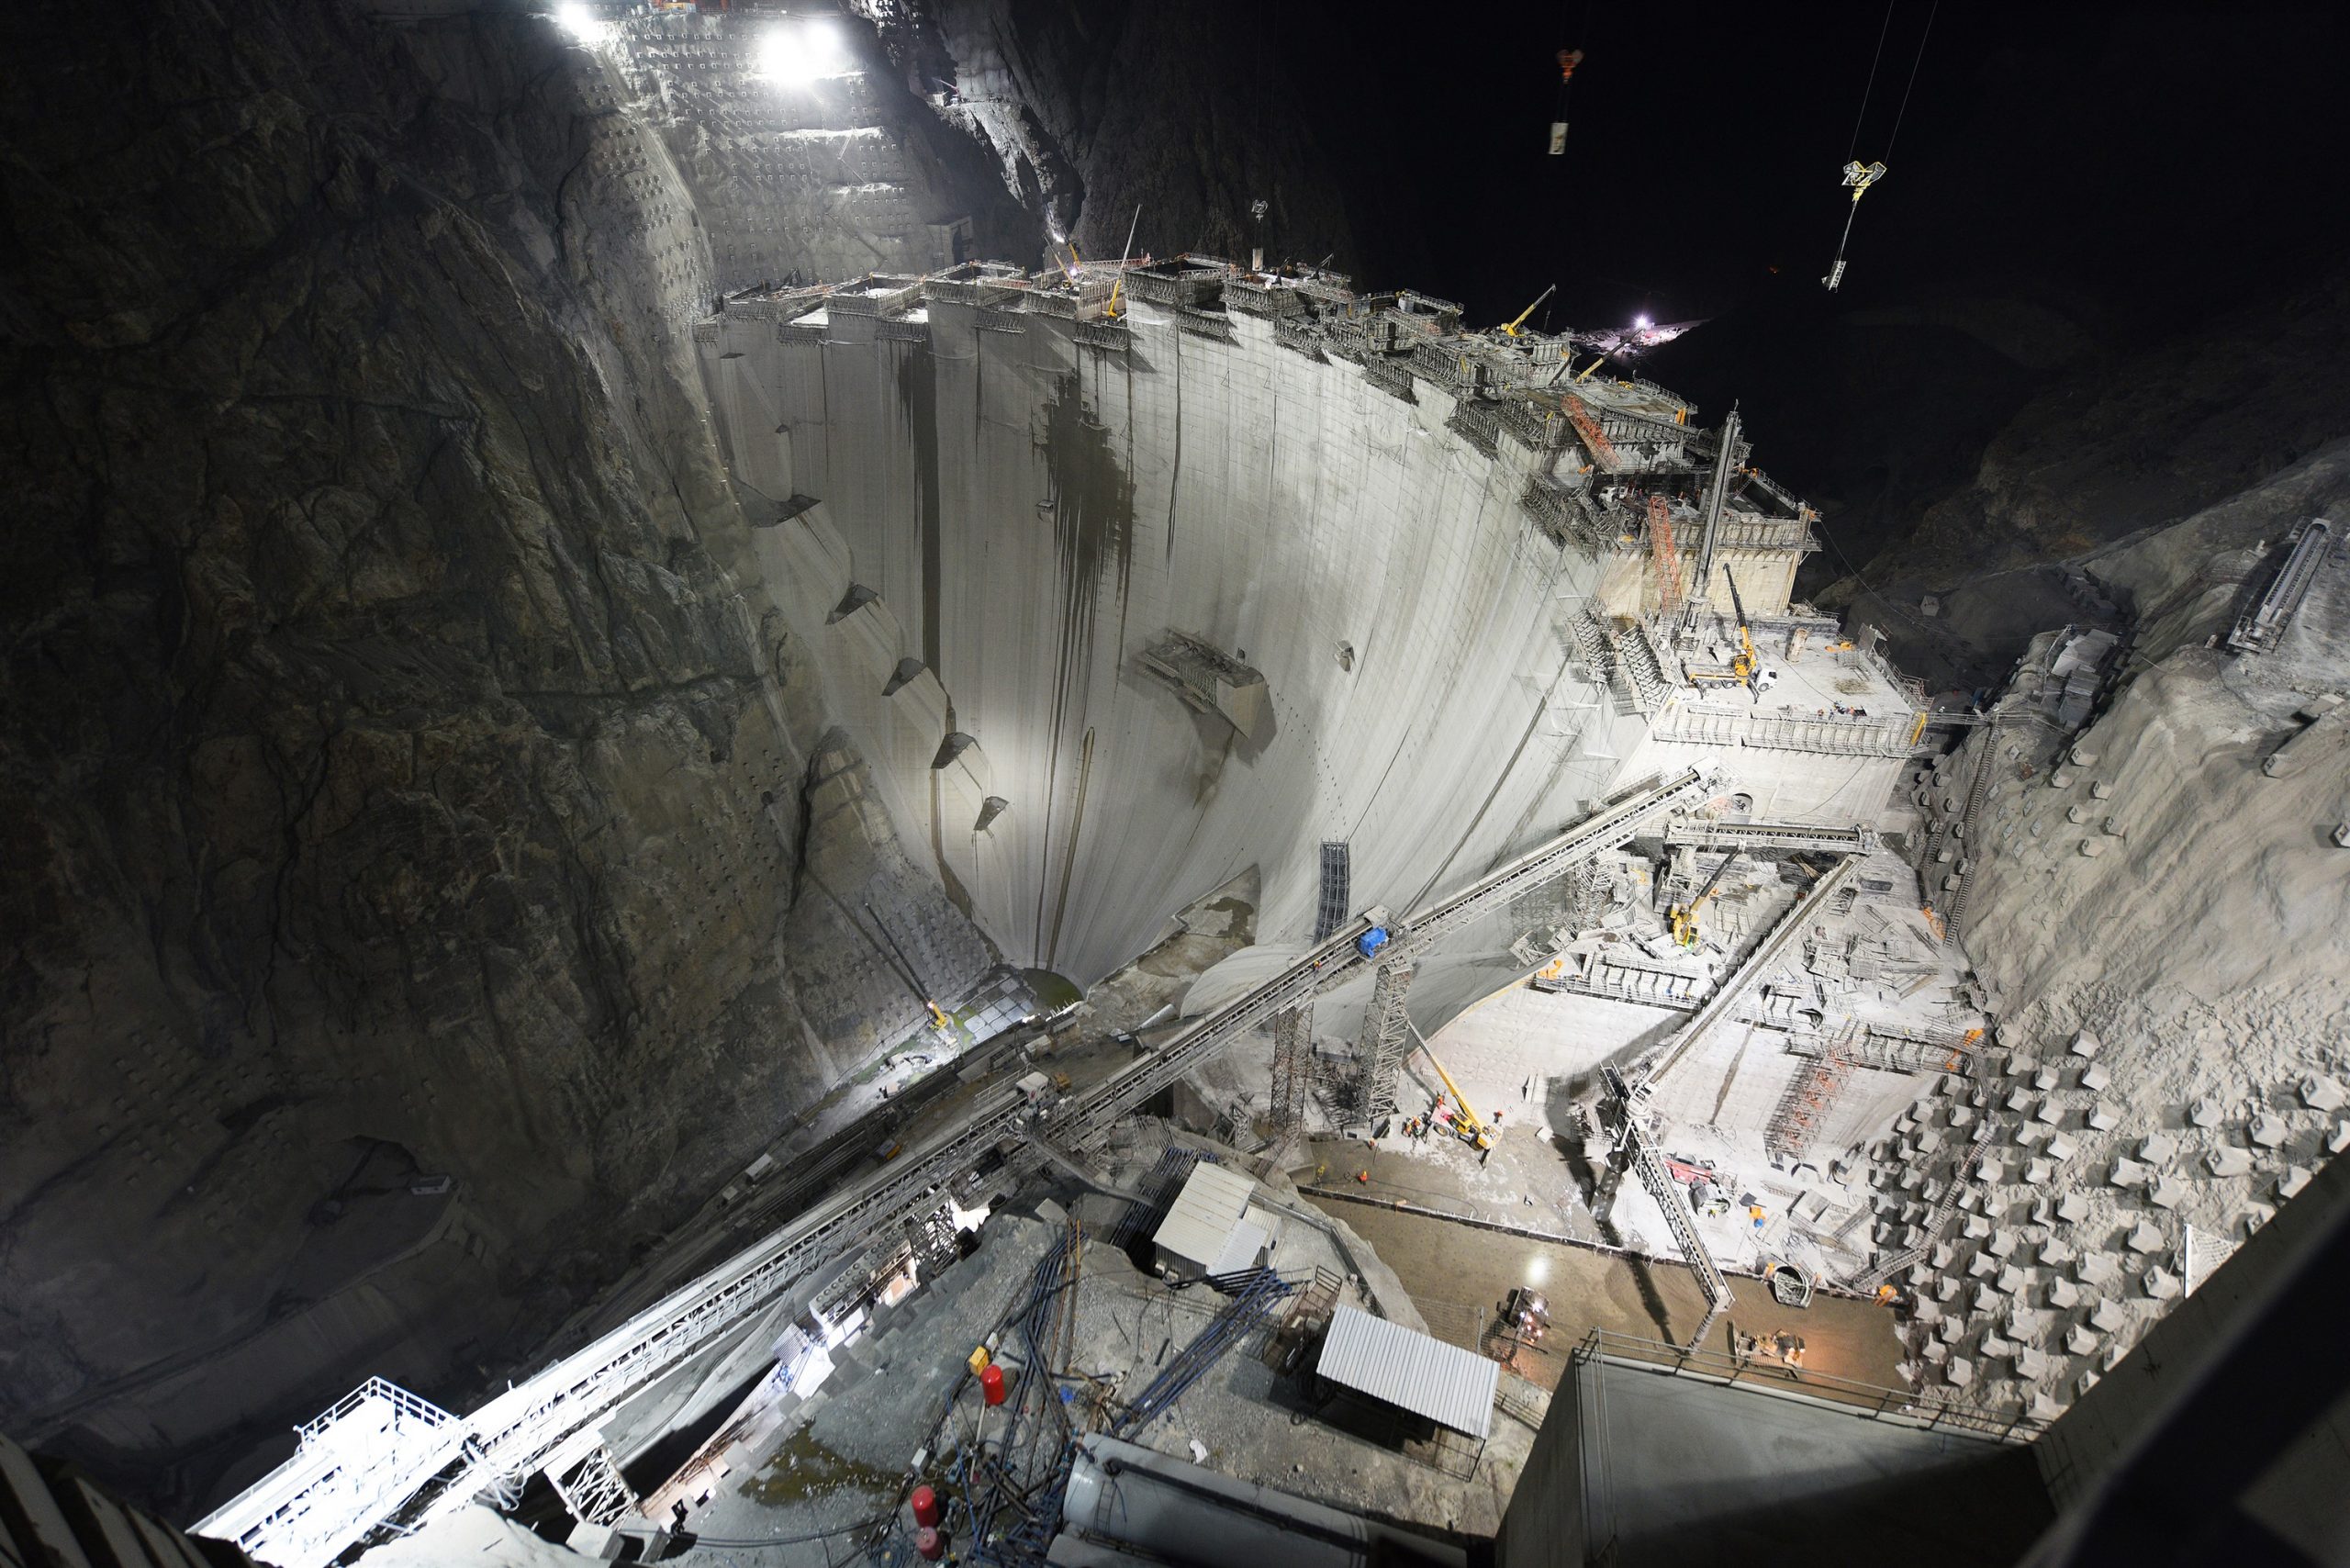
(406, 908)
(2152, 887)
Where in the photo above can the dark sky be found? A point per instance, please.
(2099, 157)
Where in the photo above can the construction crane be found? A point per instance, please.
(1512, 330)
(1466, 1124)
(1746, 668)
(1683, 917)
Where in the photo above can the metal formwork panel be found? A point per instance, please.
(1338, 879)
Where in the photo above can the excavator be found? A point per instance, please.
(1746, 668)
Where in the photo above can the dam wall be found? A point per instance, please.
(978, 522)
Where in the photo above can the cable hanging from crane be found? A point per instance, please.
(1568, 60)
(1859, 176)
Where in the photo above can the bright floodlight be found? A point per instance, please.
(581, 23)
(799, 53)
(1642, 322)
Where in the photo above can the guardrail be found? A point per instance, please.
(1870, 1401)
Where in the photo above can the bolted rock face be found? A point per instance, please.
(404, 775)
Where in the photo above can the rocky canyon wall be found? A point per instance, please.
(406, 908)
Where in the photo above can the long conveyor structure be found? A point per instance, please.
(350, 1477)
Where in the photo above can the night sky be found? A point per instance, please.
(2097, 159)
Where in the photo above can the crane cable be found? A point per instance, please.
(1859, 178)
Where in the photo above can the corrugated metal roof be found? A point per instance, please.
(1242, 1250)
(1204, 1215)
(1448, 1384)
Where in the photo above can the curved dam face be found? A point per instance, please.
(1043, 562)
(1028, 514)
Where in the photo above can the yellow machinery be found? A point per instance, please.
(1746, 665)
(1681, 918)
(1512, 330)
(1466, 1124)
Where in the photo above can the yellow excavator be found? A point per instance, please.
(1681, 918)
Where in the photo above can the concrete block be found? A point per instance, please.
(2002, 1245)
(2083, 1044)
(2107, 1317)
(1952, 1332)
(2116, 828)
(1986, 1301)
(1960, 1371)
(2061, 778)
(1935, 1352)
(2072, 1209)
(2169, 1194)
(2228, 1160)
(2031, 1364)
(2050, 1113)
(1983, 1267)
(1949, 1290)
(2101, 790)
(2020, 1101)
(2076, 815)
(2095, 1078)
(2266, 1131)
(2081, 1341)
(2320, 1094)
(1995, 1347)
(2097, 1268)
(2092, 848)
(2043, 1406)
(1992, 1172)
(2145, 1238)
(2044, 1080)
(2339, 1138)
(2084, 756)
(2204, 1113)
(1977, 1228)
(1962, 1115)
(2161, 1283)
(2158, 1150)
(2103, 1120)
(2128, 1173)
(2038, 1172)
(2062, 1149)
(2289, 1184)
(2011, 1281)
(2063, 1292)
(2086, 1381)
(2055, 1253)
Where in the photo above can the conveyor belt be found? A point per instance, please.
(299, 1518)
(1749, 837)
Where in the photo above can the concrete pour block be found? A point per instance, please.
(2054, 1253)
(1982, 1266)
(2061, 778)
(2002, 1244)
(2204, 1113)
(2086, 1381)
(1960, 1371)
(2100, 791)
(2091, 847)
(2228, 1160)
(2044, 1080)
(2095, 1078)
(2076, 815)
(2038, 1172)
(1935, 1352)
(2339, 1138)
(2107, 1316)
(1948, 1290)
(2079, 1341)
(2320, 1094)
(2085, 756)
(2157, 1150)
(2083, 1044)
(1986, 1301)
(2050, 1113)
(2144, 1238)
(2169, 1194)
(2073, 1208)
(2097, 1268)
(2020, 1099)
(2103, 1120)
(2031, 1364)
(2011, 1281)
(2043, 1406)
(1962, 1115)
(2128, 1173)
(2289, 1184)
(2266, 1131)
(1977, 1227)
(1994, 1347)
(2116, 828)
(2062, 1149)
(2161, 1283)
(1951, 1330)
(2063, 1292)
